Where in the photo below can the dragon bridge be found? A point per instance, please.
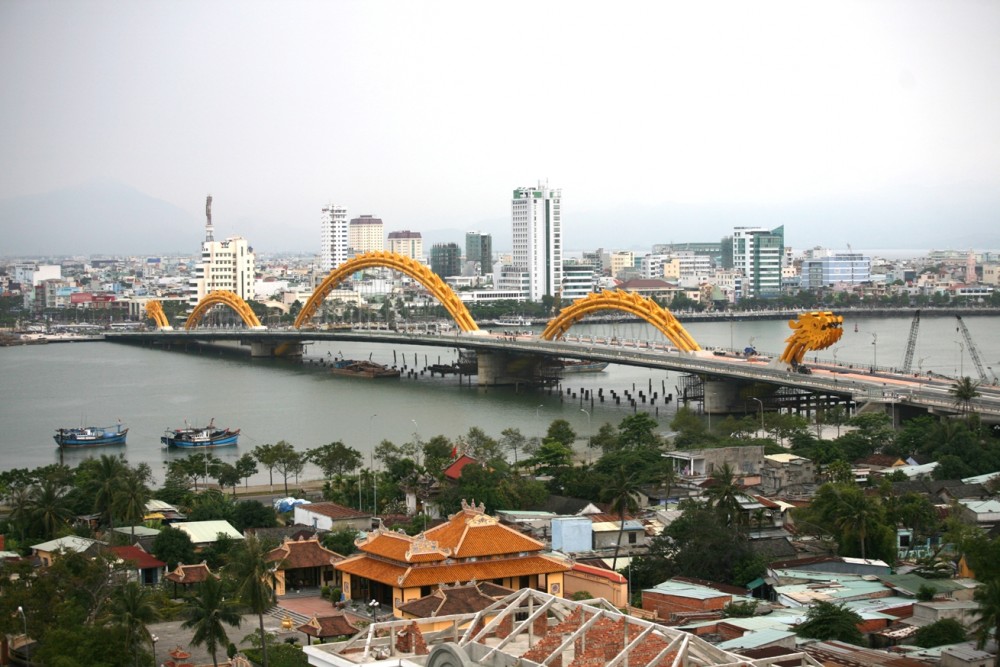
(224, 298)
(154, 311)
(414, 269)
(812, 331)
(629, 302)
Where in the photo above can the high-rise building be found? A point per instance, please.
(833, 269)
(536, 223)
(366, 234)
(406, 243)
(333, 237)
(479, 249)
(758, 252)
(446, 259)
(226, 266)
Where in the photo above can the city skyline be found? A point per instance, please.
(847, 123)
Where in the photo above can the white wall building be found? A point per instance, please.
(333, 237)
(759, 253)
(536, 223)
(407, 243)
(366, 234)
(226, 266)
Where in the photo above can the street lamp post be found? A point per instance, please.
(155, 639)
(874, 350)
(24, 618)
(374, 478)
(588, 432)
(761, 403)
(537, 409)
(373, 605)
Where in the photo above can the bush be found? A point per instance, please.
(581, 595)
(939, 633)
(279, 655)
(740, 609)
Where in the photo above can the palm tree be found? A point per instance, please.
(988, 597)
(132, 608)
(724, 494)
(49, 507)
(20, 504)
(131, 498)
(964, 390)
(108, 475)
(207, 612)
(255, 580)
(858, 515)
(622, 494)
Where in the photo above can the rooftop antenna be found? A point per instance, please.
(209, 229)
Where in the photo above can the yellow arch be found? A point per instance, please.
(224, 298)
(154, 311)
(419, 272)
(629, 302)
(812, 331)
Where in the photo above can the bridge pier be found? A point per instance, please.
(497, 367)
(280, 348)
(722, 397)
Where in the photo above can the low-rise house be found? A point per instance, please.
(47, 552)
(188, 575)
(963, 611)
(331, 516)
(703, 462)
(678, 596)
(144, 567)
(327, 627)
(607, 528)
(599, 582)
(786, 473)
(983, 513)
(206, 533)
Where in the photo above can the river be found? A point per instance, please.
(71, 384)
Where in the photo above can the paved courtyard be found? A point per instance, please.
(170, 634)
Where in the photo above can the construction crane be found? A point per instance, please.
(911, 343)
(973, 351)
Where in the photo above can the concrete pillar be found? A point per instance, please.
(504, 368)
(722, 397)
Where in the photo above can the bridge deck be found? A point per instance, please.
(856, 384)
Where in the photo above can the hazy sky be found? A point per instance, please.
(872, 123)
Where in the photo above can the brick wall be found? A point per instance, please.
(664, 605)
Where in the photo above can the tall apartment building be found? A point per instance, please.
(446, 259)
(536, 223)
(333, 237)
(759, 252)
(226, 266)
(479, 249)
(366, 234)
(406, 243)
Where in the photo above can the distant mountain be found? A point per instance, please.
(95, 218)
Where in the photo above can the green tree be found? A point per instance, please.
(207, 613)
(173, 547)
(253, 514)
(622, 493)
(561, 432)
(226, 475)
(939, 633)
(246, 467)
(437, 454)
(551, 456)
(50, 507)
(255, 580)
(826, 621)
(131, 498)
(341, 541)
(987, 622)
(513, 440)
(335, 458)
(108, 474)
(964, 391)
(286, 461)
(724, 494)
(132, 609)
(267, 455)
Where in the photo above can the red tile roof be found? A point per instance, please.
(454, 471)
(136, 555)
(190, 574)
(430, 575)
(334, 625)
(295, 554)
(335, 511)
(610, 575)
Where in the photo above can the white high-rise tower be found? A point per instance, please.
(333, 237)
(536, 223)
(226, 266)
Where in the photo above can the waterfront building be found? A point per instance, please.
(393, 568)
(407, 243)
(333, 237)
(446, 259)
(759, 253)
(835, 269)
(620, 261)
(536, 224)
(366, 234)
(31, 276)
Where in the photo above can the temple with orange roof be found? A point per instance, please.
(393, 568)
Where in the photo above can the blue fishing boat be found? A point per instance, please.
(191, 437)
(91, 436)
